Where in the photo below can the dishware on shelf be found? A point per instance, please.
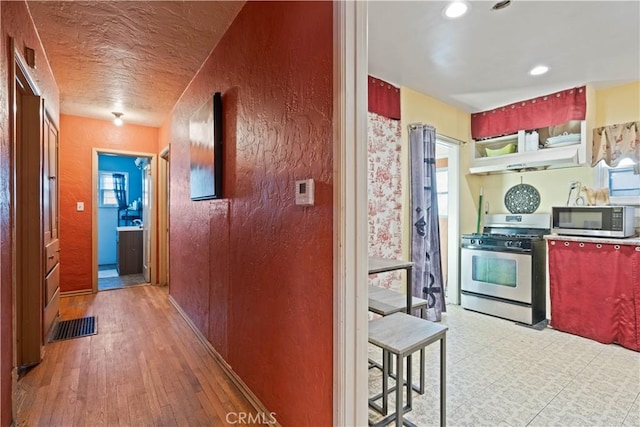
(507, 149)
(564, 139)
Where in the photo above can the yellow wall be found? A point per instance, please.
(553, 186)
(448, 121)
(619, 104)
(418, 108)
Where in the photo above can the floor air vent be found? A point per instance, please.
(74, 328)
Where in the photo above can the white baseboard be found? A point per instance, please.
(244, 389)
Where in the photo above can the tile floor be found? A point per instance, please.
(115, 281)
(503, 374)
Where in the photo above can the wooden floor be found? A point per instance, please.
(144, 367)
(118, 282)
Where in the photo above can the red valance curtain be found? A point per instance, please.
(384, 98)
(543, 111)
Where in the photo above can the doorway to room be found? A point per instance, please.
(122, 219)
(448, 185)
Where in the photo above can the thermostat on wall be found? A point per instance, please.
(304, 192)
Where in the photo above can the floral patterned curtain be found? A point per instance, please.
(385, 196)
(384, 179)
(614, 143)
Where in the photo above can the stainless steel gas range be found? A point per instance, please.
(503, 270)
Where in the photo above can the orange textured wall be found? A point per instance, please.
(16, 23)
(253, 271)
(78, 137)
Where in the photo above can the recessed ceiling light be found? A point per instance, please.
(456, 9)
(539, 69)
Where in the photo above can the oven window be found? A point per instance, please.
(497, 271)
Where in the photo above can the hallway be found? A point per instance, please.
(144, 367)
(274, 65)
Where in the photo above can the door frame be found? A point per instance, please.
(153, 161)
(453, 212)
(164, 198)
(17, 68)
(350, 321)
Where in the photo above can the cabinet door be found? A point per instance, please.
(130, 252)
(51, 285)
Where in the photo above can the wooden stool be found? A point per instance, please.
(384, 302)
(402, 335)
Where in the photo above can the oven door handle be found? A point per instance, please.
(503, 249)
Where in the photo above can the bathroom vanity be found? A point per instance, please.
(129, 250)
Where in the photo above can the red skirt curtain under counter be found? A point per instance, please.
(595, 291)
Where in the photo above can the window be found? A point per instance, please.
(623, 182)
(106, 195)
(442, 180)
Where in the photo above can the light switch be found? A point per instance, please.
(305, 192)
(80, 206)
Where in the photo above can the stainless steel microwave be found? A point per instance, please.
(598, 221)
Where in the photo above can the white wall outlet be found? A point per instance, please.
(305, 190)
(80, 206)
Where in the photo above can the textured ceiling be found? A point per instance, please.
(135, 57)
(481, 60)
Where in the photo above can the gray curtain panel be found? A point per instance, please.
(119, 190)
(121, 194)
(425, 231)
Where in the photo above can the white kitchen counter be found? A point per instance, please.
(603, 240)
(129, 228)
